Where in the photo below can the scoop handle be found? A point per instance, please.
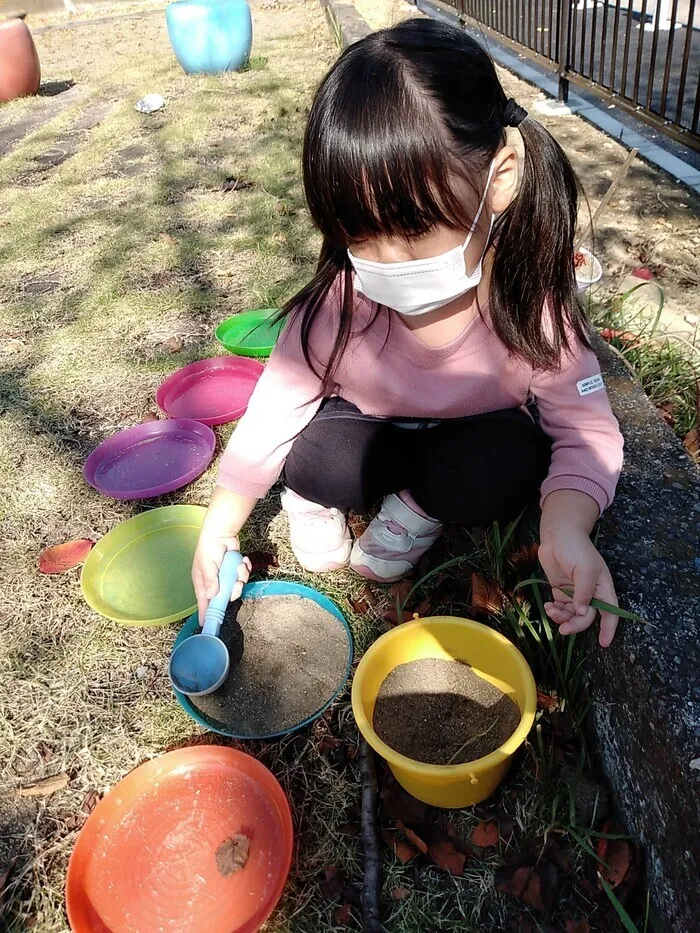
(228, 577)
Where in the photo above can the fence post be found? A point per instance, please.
(563, 20)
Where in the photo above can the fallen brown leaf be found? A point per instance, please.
(149, 417)
(364, 602)
(445, 855)
(691, 442)
(485, 835)
(578, 926)
(349, 829)
(261, 561)
(487, 597)
(170, 240)
(343, 915)
(48, 785)
(666, 412)
(92, 798)
(400, 894)
(412, 837)
(546, 701)
(174, 344)
(66, 556)
(400, 590)
(328, 743)
(531, 878)
(525, 556)
(402, 849)
(44, 751)
(333, 882)
(615, 856)
(232, 854)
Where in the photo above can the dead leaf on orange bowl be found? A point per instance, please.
(66, 556)
(232, 854)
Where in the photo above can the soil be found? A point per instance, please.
(441, 712)
(288, 656)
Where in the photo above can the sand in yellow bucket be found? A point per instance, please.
(493, 657)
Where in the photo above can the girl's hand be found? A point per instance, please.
(208, 557)
(226, 515)
(569, 559)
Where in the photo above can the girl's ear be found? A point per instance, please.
(504, 184)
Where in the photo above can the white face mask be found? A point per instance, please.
(418, 286)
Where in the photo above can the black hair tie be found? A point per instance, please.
(513, 113)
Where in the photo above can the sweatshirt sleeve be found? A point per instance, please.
(575, 412)
(284, 401)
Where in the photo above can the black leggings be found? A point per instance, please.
(473, 471)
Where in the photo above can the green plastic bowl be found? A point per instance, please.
(139, 573)
(251, 333)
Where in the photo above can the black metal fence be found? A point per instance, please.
(643, 54)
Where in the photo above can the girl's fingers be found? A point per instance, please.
(608, 621)
(243, 574)
(200, 593)
(559, 614)
(578, 623)
(560, 596)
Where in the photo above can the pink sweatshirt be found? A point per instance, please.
(390, 373)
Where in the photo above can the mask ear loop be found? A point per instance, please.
(482, 202)
(480, 208)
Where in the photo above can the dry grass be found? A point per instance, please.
(90, 292)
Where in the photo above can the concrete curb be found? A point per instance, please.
(347, 24)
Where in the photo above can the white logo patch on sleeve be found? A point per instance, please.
(590, 384)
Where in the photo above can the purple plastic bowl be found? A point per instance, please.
(150, 459)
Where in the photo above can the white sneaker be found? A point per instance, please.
(394, 542)
(319, 536)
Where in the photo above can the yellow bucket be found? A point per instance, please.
(493, 657)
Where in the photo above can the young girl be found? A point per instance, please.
(445, 299)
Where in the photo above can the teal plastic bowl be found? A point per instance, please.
(210, 36)
(256, 591)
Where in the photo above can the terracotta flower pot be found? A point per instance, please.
(20, 72)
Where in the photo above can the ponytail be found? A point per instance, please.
(533, 265)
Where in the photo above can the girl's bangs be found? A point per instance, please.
(388, 195)
(392, 175)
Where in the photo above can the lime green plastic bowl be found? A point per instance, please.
(139, 573)
(251, 333)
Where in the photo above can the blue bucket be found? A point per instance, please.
(256, 591)
(210, 36)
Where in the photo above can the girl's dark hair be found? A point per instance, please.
(400, 115)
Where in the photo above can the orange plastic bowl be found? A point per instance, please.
(146, 859)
